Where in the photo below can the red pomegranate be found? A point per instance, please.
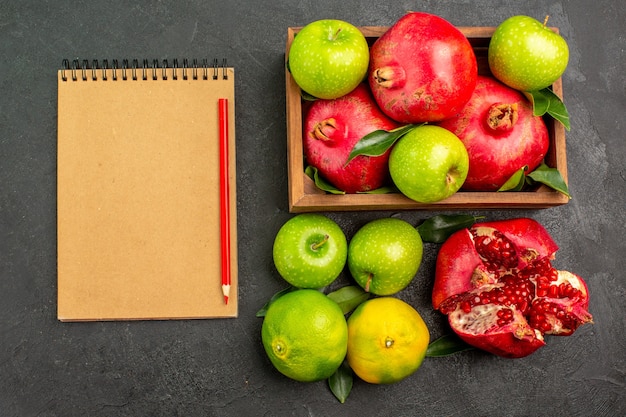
(496, 283)
(422, 69)
(501, 134)
(333, 127)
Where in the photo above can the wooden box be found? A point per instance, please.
(304, 196)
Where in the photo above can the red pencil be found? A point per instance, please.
(224, 197)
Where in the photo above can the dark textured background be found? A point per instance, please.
(218, 367)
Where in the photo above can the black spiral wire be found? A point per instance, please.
(132, 70)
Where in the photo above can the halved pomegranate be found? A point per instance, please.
(496, 283)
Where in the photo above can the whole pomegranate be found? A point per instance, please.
(500, 292)
(500, 132)
(333, 127)
(422, 69)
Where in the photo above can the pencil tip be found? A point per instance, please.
(226, 292)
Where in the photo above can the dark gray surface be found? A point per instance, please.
(218, 367)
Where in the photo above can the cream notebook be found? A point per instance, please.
(139, 191)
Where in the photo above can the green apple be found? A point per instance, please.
(328, 58)
(428, 164)
(527, 55)
(310, 250)
(384, 255)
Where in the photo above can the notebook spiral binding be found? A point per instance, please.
(82, 70)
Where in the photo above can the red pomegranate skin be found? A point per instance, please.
(500, 132)
(496, 283)
(458, 258)
(333, 127)
(422, 69)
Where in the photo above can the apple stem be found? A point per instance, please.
(336, 34)
(319, 244)
(368, 282)
(545, 21)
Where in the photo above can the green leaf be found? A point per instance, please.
(517, 181)
(323, 185)
(546, 101)
(388, 189)
(550, 177)
(263, 310)
(377, 142)
(446, 345)
(438, 228)
(539, 101)
(542, 174)
(349, 297)
(306, 96)
(340, 382)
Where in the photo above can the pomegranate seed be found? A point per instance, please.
(505, 316)
(553, 291)
(496, 250)
(567, 291)
(523, 306)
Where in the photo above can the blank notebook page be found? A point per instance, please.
(138, 195)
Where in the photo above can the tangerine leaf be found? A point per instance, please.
(438, 228)
(446, 345)
(517, 181)
(546, 101)
(377, 142)
(320, 183)
(349, 297)
(263, 310)
(550, 177)
(340, 382)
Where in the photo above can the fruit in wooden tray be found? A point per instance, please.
(328, 58)
(496, 283)
(527, 55)
(331, 129)
(422, 69)
(428, 164)
(501, 134)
